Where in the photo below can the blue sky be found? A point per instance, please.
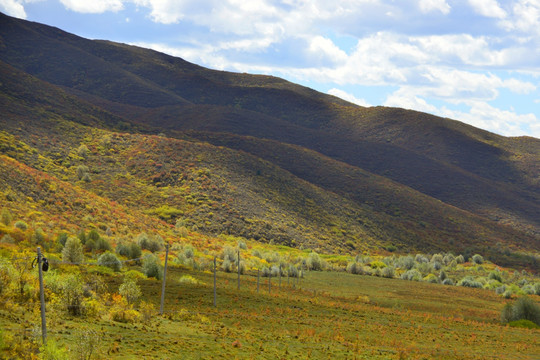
(477, 61)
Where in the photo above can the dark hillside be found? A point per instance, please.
(285, 162)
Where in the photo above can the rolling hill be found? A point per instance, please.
(253, 156)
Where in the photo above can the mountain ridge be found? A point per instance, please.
(418, 182)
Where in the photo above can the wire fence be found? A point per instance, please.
(250, 281)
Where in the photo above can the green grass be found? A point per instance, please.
(330, 315)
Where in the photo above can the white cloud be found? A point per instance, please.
(488, 8)
(348, 97)
(427, 6)
(405, 98)
(485, 116)
(13, 8)
(525, 17)
(93, 6)
(325, 50)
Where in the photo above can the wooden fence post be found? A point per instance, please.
(215, 293)
(238, 269)
(164, 280)
(42, 298)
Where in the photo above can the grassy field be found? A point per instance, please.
(328, 315)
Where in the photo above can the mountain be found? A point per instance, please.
(250, 155)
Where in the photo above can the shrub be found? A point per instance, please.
(73, 294)
(500, 290)
(73, 251)
(129, 289)
(495, 275)
(412, 275)
(377, 265)
(448, 258)
(151, 266)
(430, 278)
(469, 281)
(292, 271)
(83, 151)
(536, 287)
(527, 324)
(82, 170)
(419, 258)
(21, 225)
(460, 259)
(314, 261)
(226, 265)
(442, 276)
(6, 217)
(62, 238)
(242, 245)
(523, 309)
(135, 251)
(354, 268)
(265, 272)
(187, 279)
(448, 281)
(478, 259)
(122, 249)
(189, 252)
(229, 253)
(109, 260)
(406, 262)
(388, 272)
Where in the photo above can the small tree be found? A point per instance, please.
(151, 266)
(478, 259)
(73, 251)
(110, 260)
(129, 289)
(73, 294)
(6, 217)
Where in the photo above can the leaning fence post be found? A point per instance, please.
(238, 269)
(164, 279)
(215, 293)
(280, 276)
(42, 298)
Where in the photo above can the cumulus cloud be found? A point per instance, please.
(13, 8)
(94, 6)
(488, 8)
(348, 97)
(427, 6)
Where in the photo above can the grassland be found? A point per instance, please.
(328, 315)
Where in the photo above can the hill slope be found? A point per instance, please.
(286, 163)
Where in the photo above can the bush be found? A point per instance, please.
(130, 290)
(73, 251)
(460, 259)
(73, 294)
(242, 245)
(314, 261)
(412, 275)
(430, 278)
(523, 309)
(122, 249)
(21, 225)
(448, 281)
(151, 244)
(477, 259)
(151, 266)
(495, 275)
(469, 281)
(354, 268)
(109, 260)
(406, 262)
(6, 217)
(227, 266)
(388, 272)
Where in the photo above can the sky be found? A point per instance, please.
(476, 61)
